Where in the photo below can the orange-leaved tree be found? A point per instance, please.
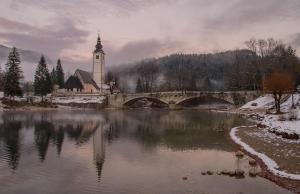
(279, 83)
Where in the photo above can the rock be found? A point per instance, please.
(209, 172)
(225, 172)
(203, 173)
(239, 172)
(252, 162)
(239, 154)
(294, 136)
(231, 173)
(285, 135)
(184, 178)
(260, 125)
(252, 173)
(219, 173)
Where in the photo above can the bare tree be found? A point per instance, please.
(148, 73)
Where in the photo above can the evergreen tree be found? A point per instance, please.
(53, 77)
(60, 76)
(139, 87)
(1, 79)
(13, 75)
(42, 79)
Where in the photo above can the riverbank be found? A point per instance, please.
(273, 141)
(52, 103)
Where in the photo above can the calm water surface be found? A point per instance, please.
(140, 151)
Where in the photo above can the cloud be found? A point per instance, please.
(245, 13)
(296, 39)
(137, 29)
(85, 8)
(137, 50)
(51, 39)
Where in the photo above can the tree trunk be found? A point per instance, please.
(278, 103)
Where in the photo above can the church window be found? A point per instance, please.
(97, 56)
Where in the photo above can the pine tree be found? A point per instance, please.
(42, 79)
(13, 75)
(1, 79)
(53, 77)
(60, 76)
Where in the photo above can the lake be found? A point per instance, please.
(128, 152)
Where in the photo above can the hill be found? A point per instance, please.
(213, 71)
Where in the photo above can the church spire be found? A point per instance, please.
(98, 47)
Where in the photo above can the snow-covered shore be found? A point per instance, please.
(34, 102)
(78, 99)
(286, 123)
(270, 163)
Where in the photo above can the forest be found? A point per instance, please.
(242, 69)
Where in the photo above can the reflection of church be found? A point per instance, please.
(99, 149)
(90, 82)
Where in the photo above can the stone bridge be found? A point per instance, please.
(178, 99)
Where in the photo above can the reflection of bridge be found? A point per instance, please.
(174, 99)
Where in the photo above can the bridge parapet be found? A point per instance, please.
(175, 97)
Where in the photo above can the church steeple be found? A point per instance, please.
(99, 64)
(98, 47)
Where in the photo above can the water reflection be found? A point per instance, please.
(46, 131)
(99, 150)
(176, 130)
(68, 146)
(9, 136)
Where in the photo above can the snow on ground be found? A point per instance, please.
(271, 164)
(287, 105)
(278, 122)
(282, 123)
(266, 101)
(274, 122)
(79, 99)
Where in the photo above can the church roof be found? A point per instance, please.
(86, 77)
(99, 47)
(73, 82)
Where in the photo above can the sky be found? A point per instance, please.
(135, 29)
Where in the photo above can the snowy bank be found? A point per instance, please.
(275, 122)
(288, 122)
(266, 101)
(271, 164)
(78, 99)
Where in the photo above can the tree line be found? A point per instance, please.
(243, 69)
(44, 81)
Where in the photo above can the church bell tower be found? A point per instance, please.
(99, 64)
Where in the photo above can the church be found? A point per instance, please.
(90, 82)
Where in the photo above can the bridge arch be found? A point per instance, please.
(189, 101)
(131, 101)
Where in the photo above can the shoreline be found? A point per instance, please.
(288, 181)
